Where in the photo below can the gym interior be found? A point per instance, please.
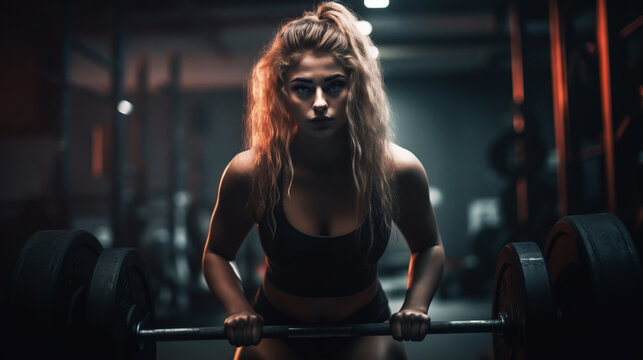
(119, 119)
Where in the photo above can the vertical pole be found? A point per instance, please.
(62, 169)
(602, 38)
(118, 143)
(176, 136)
(139, 126)
(518, 89)
(561, 109)
(178, 200)
(515, 33)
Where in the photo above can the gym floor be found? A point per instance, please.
(449, 346)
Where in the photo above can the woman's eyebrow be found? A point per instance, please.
(300, 79)
(333, 77)
(309, 81)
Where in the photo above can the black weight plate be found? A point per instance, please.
(523, 292)
(119, 297)
(48, 291)
(597, 285)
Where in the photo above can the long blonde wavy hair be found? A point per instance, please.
(269, 129)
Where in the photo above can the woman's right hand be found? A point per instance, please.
(243, 328)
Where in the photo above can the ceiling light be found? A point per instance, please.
(373, 52)
(376, 4)
(125, 107)
(364, 27)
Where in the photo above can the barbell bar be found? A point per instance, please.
(349, 330)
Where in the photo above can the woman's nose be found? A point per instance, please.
(320, 103)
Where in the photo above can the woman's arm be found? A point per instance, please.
(416, 221)
(231, 220)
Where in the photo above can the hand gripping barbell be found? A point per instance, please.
(111, 315)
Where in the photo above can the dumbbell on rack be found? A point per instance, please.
(590, 258)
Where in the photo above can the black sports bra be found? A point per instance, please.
(320, 266)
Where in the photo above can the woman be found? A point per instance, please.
(323, 184)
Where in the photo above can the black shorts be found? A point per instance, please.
(377, 310)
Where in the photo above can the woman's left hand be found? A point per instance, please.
(409, 325)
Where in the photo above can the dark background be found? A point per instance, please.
(447, 69)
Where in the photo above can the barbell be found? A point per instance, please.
(99, 302)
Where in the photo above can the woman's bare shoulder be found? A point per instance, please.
(242, 165)
(405, 162)
(238, 176)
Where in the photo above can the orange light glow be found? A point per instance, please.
(606, 102)
(516, 55)
(631, 27)
(561, 110)
(623, 127)
(98, 169)
(521, 200)
(518, 122)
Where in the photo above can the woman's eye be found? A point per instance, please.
(335, 86)
(301, 90)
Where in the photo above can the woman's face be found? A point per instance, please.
(317, 89)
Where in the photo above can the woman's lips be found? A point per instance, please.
(320, 119)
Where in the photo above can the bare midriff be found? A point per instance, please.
(318, 309)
